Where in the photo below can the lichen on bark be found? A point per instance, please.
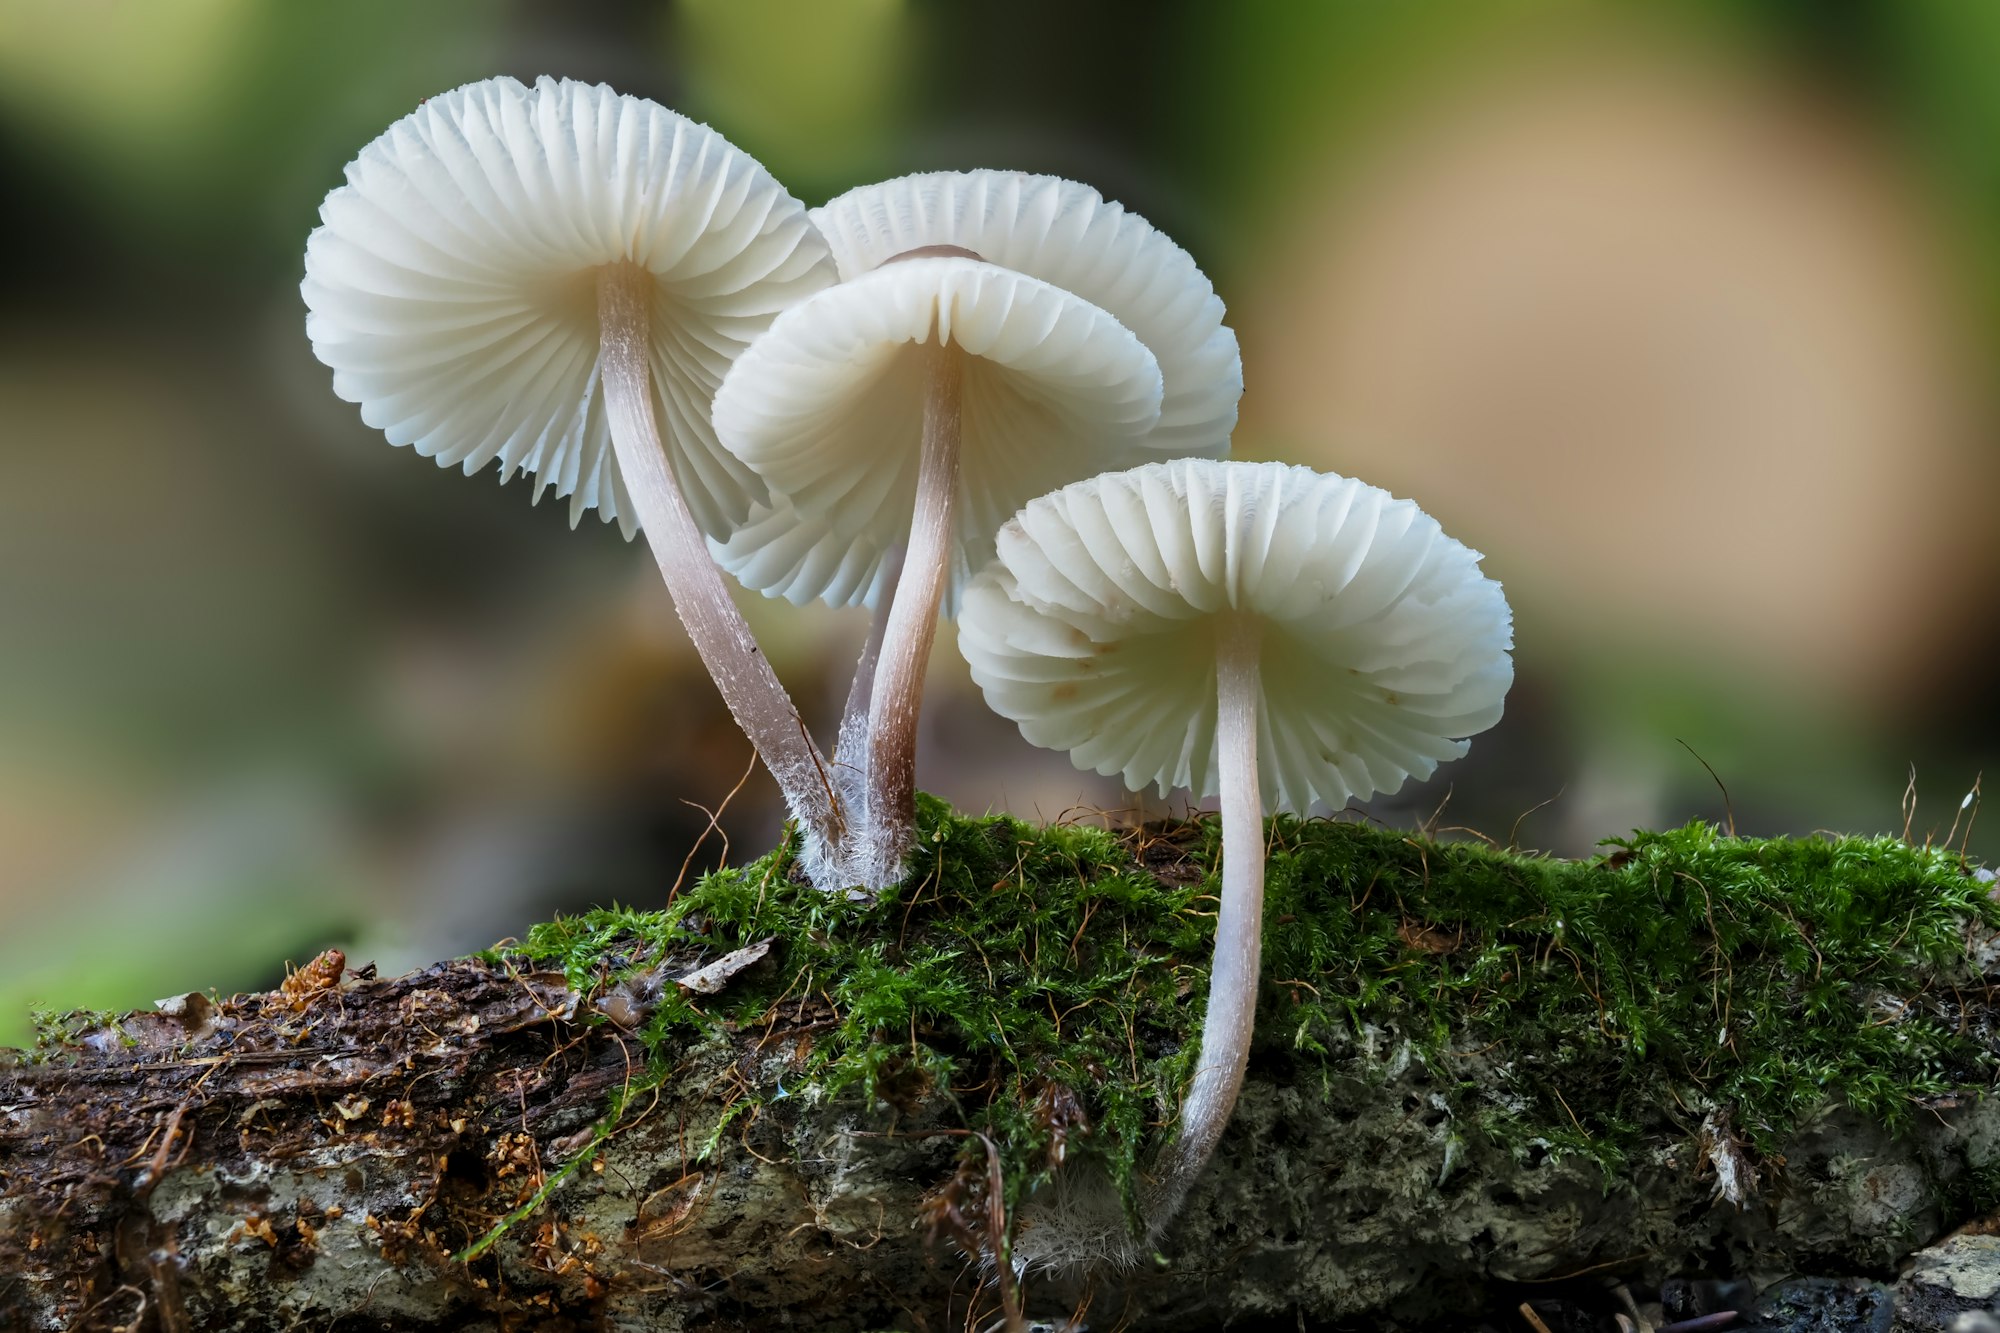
(1474, 1066)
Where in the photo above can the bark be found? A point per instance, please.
(317, 1156)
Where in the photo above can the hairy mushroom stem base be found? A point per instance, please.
(756, 698)
(897, 699)
(1239, 924)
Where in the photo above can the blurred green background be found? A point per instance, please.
(1685, 314)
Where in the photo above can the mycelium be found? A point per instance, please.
(544, 277)
(995, 335)
(1257, 631)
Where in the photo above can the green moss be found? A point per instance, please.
(1563, 1007)
(58, 1031)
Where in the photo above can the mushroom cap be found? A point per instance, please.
(1383, 646)
(1066, 235)
(828, 406)
(451, 284)
(1069, 236)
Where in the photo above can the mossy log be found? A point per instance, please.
(762, 1107)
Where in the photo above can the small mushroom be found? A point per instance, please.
(545, 277)
(992, 381)
(995, 335)
(1255, 630)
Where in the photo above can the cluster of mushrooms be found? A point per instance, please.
(984, 394)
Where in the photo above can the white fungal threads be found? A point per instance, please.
(1253, 630)
(557, 278)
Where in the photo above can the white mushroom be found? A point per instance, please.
(1255, 630)
(1069, 236)
(545, 277)
(979, 351)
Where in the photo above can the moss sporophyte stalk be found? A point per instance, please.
(1042, 986)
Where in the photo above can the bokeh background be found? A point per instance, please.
(1687, 315)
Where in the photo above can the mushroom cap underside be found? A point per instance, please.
(1069, 236)
(1382, 645)
(828, 408)
(451, 285)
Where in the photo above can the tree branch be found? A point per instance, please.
(562, 1132)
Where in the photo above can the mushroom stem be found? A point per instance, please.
(1239, 924)
(913, 615)
(756, 698)
(850, 748)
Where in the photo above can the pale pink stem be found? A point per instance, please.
(913, 617)
(1239, 925)
(751, 689)
(850, 750)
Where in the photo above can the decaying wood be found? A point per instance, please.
(323, 1155)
